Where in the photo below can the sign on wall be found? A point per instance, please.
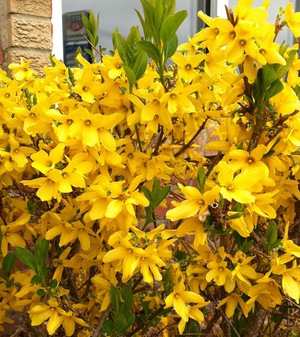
(74, 36)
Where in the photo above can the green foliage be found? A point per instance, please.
(37, 261)
(160, 25)
(201, 179)
(272, 236)
(7, 266)
(121, 318)
(91, 24)
(268, 82)
(155, 197)
(133, 57)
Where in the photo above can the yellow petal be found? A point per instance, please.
(84, 239)
(89, 136)
(181, 309)
(114, 208)
(54, 322)
(107, 140)
(185, 209)
(115, 254)
(291, 287)
(39, 314)
(69, 326)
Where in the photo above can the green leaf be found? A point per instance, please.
(140, 65)
(41, 251)
(120, 44)
(282, 70)
(114, 297)
(132, 49)
(26, 257)
(108, 326)
(8, 263)
(167, 281)
(171, 46)
(147, 192)
(87, 25)
(36, 279)
(158, 15)
(169, 7)
(53, 284)
(274, 89)
(127, 299)
(41, 292)
(238, 207)
(130, 75)
(268, 75)
(123, 322)
(235, 216)
(171, 24)
(272, 236)
(158, 194)
(201, 179)
(142, 21)
(150, 49)
(149, 20)
(89, 51)
(41, 254)
(161, 195)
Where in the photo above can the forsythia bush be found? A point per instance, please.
(114, 222)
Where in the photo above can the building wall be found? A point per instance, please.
(120, 14)
(25, 31)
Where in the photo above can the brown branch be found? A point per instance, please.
(186, 146)
(257, 321)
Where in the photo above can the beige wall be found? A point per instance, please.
(25, 31)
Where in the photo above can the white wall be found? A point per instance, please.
(57, 39)
(120, 14)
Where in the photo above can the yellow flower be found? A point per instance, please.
(243, 43)
(239, 187)
(219, 33)
(289, 246)
(243, 160)
(69, 322)
(220, 274)
(21, 71)
(123, 202)
(93, 129)
(269, 50)
(194, 313)
(195, 203)
(154, 111)
(44, 162)
(243, 271)
(292, 19)
(232, 301)
(59, 264)
(265, 292)
(39, 313)
(126, 255)
(291, 281)
(187, 65)
(47, 188)
(179, 298)
(11, 233)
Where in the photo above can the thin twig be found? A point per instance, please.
(186, 146)
(99, 326)
(227, 319)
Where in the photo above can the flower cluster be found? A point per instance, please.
(118, 217)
